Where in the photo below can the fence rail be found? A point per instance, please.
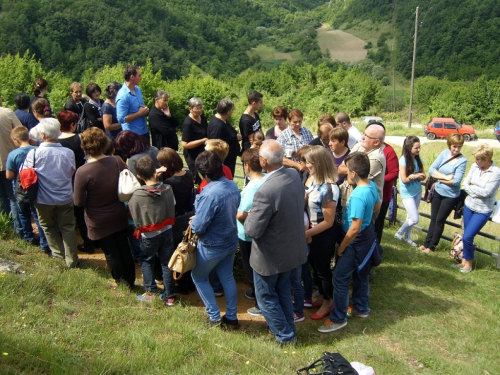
(455, 225)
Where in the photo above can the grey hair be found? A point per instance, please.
(161, 94)
(194, 102)
(51, 128)
(224, 106)
(272, 151)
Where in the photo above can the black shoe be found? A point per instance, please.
(89, 250)
(250, 294)
(35, 241)
(232, 322)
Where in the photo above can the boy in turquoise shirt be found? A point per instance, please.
(359, 244)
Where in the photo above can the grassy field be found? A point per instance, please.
(270, 56)
(342, 45)
(427, 318)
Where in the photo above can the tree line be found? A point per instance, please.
(313, 89)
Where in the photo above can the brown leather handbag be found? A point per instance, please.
(184, 257)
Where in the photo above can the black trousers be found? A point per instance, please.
(379, 222)
(441, 208)
(119, 257)
(82, 227)
(322, 249)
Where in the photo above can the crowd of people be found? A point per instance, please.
(312, 210)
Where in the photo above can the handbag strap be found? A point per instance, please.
(450, 159)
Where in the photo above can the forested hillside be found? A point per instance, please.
(456, 39)
(72, 36)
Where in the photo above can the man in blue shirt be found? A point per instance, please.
(130, 109)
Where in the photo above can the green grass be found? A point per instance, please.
(426, 319)
(271, 56)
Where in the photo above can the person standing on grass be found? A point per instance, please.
(152, 207)
(280, 115)
(8, 205)
(411, 173)
(359, 250)
(344, 120)
(293, 138)
(20, 137)
(253, 170)
(390, 177)
(276, 225)
(215, 223)
(481, 186)
(250, 121)
(220, 128)
(55, 166)
(448, 169)
(130, 109)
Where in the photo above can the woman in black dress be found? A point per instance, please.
(162, 124)
(194, 135)
(220, 128)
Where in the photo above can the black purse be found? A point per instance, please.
(331, 364)
(28, 178)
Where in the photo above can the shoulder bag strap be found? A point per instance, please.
(450, 159)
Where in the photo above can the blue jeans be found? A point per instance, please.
(473, 222)
(346, 266)
(135, 244)
(220, 260)
(8, 202)
(275, 301)
(25, 211)
(163, 245)
(307, 280)
(298, 292)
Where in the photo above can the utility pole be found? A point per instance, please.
(413, 65)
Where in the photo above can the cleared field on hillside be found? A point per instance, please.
(342, 46)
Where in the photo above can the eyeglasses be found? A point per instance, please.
(367, 136)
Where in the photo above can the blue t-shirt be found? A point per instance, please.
(412, 188)
(16, 159)
(360, 205)
(246, 202)
(317, 197)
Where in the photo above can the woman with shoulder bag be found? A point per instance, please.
(215, 223)
(448, 170)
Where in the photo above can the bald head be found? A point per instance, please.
(373, 137)
(271, 154)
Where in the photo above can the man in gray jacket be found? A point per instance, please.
(276, 224)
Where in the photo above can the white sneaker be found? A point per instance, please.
(411, 243)
(398, 236)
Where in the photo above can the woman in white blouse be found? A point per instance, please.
(481, 186)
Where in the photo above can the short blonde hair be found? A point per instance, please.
(325, 169)
(218, 146)
(455, 139)
(483, 152)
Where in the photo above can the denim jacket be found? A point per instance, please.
(215, 219)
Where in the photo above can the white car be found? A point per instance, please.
(369, 119)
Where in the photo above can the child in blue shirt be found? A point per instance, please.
(20, 137)
(356, 252)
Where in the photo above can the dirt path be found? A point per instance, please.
(193, 299)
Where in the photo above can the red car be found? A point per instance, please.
(444, 126)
